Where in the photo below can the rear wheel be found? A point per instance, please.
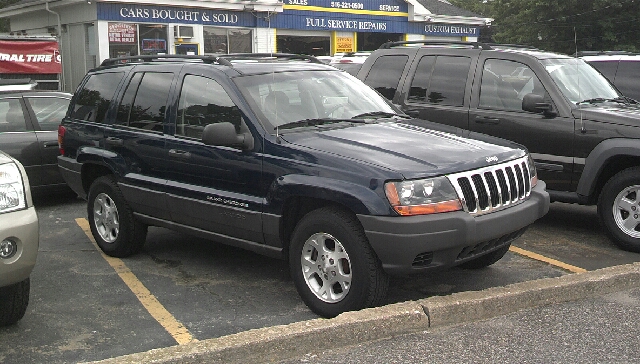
(14, 300)
(111, 219)
(332, 264)
(619, 209)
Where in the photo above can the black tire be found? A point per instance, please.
(486, 260)
(14, 300)
(355, 262)
(111, 219)
(619, 209)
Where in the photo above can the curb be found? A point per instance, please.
(286, 341)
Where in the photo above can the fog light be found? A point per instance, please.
(8, 248)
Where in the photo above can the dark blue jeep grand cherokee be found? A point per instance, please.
(290, 158)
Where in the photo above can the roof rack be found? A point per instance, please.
(604, 53)
(475, 45)
(224, 59)
(163, 58)
(508, 45)
(270, 57)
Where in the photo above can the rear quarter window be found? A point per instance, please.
(92, 100)
(385, 74)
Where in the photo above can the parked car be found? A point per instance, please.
(582, 133)
(29, 131)
(350, 62)
(19, 240)
(623, 70)
(291, 158)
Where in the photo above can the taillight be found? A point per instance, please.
(61, 131)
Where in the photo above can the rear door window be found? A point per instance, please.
(385, 74)
(11, 116)
(92, 101)
(143, 105)
(440, 80)
(49, 111)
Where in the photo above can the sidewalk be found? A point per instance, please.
(298, 339)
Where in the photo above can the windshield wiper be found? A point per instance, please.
(383, 114)
(596, 100)
(314, 122)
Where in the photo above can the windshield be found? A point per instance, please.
(578, 81)
(285, 97)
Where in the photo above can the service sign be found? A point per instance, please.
(41, 57)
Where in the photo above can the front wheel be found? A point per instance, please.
(619, 209)
(14, 300)
(332, 264)
(112, 224)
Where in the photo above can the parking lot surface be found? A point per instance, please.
(85, 306)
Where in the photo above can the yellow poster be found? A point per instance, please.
(344, 44)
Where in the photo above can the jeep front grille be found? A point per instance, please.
(494, 187)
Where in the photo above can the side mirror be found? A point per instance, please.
(224, 134)
(537, 104)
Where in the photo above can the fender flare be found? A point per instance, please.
(598, 158)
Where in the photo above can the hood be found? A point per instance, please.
(611, 112)
(411, 150)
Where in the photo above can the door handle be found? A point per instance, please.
(115, 141)
(487, 120)
(177, 153)
(50, 144)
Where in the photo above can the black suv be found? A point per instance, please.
(582, 133)
(288, 157)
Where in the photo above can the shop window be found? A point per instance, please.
(311, 45)
(123, 40)
(224, 40)
(153, 39)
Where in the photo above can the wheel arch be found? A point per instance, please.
(605, 160)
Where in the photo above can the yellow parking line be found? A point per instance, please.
(148, 300)
(542, 258)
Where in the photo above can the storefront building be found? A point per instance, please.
(91, 31)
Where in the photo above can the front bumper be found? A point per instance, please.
(21, 227)
(412, 244)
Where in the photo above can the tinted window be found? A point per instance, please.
(124, 109)
(628, 79)
(49, 111)
(150, 102)
(385, 73)
(449, 80)
(420, 83)
(607, 68)
(504, 84)
(11, 116)
(92, 101)
(203, 101)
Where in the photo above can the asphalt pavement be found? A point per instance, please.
(534, 321)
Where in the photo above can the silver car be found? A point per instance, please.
(19, 239)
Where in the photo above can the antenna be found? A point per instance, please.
(575, 43)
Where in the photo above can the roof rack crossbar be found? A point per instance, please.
(163, 57)
(284, 56)
(475, 45)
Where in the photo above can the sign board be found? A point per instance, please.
(344, 44)
(122, 33)
(40, 57)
